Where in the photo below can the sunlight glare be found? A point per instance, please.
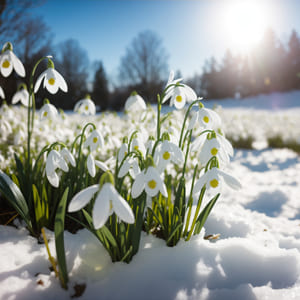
(244, 23)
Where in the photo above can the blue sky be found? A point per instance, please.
(191, 30)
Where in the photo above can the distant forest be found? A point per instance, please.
(273, 66)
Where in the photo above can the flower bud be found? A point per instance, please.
(107, 177)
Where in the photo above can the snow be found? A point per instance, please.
(257, 255)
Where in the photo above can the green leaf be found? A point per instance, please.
(176, 229)
(37, 207)
(204, 214)
(101, 233)
(14, 196)
(59, 226)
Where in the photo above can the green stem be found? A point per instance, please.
(158, 116)
(190, 203)
(196, 213)
(187, 152)
(30, 117)
(185, 119)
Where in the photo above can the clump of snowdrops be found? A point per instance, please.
(164, 177)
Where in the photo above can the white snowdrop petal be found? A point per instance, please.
(68, 156)
(101, 209)
(190, 93)
(91, 165)
(18, 66)
(82, 198)
(124, 169)
(138, 185)
(193, 121)
(200, 183)
(230, 180)
(63, 165)
(61, 81)
(16, 97)
(227, 145)
(38, 81)
(25, 97)
(101, 165)
(53, 179)
(2, 95)
(121, 207)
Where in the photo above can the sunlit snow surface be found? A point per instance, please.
(256, 257)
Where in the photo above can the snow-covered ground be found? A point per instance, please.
(257, 255)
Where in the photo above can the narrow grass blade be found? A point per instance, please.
(59, 226)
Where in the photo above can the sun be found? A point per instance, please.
(244, 24)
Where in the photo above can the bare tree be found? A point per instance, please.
(144, 64)
(13, 14)
(73, 63)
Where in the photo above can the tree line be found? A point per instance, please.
(271, 66)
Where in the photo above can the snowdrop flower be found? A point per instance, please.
(107, 201)
(52, 80)
(9, 61)
(207, 118)
(21, 96)
(94, 140)
(68, 156)
(48, 112)
(180, 93)
(138, 145)
(92, 163)
(122, 152)
(85, 106)
(165, 153)
(135, 103)
(151, 182)
(213, 180)
(215, 146)
(2, 95)
(55, 161)
(129, 165)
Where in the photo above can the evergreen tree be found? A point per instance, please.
(294, 60)
(100, 93)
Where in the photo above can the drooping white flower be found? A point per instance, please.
(92, 163)
(68, 156)
(94, 140)
(55, 161)
(85, 106)
(48, 112)
(107, 201)
(122, 152)
(212, 145)
(2, 95)
(9, 61)
(129, 165)
(179, 93)
(213, 180)
(135, 103)
(52, 80)
(21, 96)
(207, 119)
(137, 144)
(165, 153)
(151, 182)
